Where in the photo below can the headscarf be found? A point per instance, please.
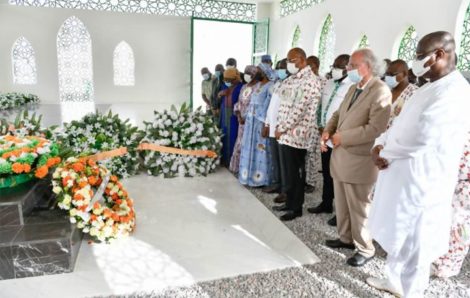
(266, 58)
(268, 71)
(232, 74)
(251, 70)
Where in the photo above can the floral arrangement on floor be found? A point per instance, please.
(183, 129)
(97, 133)
(95, 200)
(15, 100)
(23, 158)
(27, 125)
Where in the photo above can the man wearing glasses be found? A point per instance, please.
(332, 96)
(418, 159)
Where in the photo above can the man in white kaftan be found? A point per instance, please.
(419, 157)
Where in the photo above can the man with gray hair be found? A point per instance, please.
(362, 116)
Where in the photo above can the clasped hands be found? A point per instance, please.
(335, 139)
(380, 162)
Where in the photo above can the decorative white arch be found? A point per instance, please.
(23, 62)
(75, 63)
(124, 65)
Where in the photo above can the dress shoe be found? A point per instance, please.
(384, 284)
(358, 260)
(282, 207)
(332, 221)
(270, 189)
(339, 244)
(291, 215)
(319, 209)
(309, 188)
(281, 198)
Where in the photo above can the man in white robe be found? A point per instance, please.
(419, 157)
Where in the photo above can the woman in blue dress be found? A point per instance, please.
(255, 158)
(228, 119)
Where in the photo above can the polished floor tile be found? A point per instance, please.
(188, 230)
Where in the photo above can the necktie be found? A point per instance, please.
(355, 96)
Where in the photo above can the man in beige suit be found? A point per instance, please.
(361, 118)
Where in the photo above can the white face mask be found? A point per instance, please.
(354, 76)
(229, 66)
(391, 81)
(247, 78)
(291, 68)
(418, 66)
(205, 76)
(337, 73)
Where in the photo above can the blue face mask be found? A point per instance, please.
(391, 81)
(282, 74)
(228, 84)
(217, 73)
(354, 76)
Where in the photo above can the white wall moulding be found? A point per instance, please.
(222, 10)
(289, 7)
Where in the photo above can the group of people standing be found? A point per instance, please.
(390, 151)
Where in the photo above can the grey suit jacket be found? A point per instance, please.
(358, 128)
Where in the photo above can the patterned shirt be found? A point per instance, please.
(300, 95)
(400, 101)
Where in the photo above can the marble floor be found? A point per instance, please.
(188, 231)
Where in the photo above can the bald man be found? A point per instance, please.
(418, 159)
(296, 125)
(396, 77)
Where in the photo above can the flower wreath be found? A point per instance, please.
(95, 199)
(97, 133)
(22, 159)
(15, 100)
(185, 132)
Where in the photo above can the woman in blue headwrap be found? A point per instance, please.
(255, 158)
(241, 109)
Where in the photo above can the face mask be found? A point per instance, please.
(229, 66)
(292, 68)
(391, 81)
(217, 73)
(418, 66)
(282, 74)
(247, 78)
(337, 73)
(206, 76)
(354, 76)
(228, 84)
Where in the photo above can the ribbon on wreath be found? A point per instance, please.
(152, 147)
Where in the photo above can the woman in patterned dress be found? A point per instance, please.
(241, 109)
(451, 263)
(255, 158)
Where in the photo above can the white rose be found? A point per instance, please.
(57, 190)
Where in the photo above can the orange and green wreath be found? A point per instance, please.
(25, 158)
(95, 200)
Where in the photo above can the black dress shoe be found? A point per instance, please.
(309, 188)
(319, 209)
(339, 244)
(270, 189)
(358, 260)
(332, 221)
(281, 198)
(281, 208)
(290, 215)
